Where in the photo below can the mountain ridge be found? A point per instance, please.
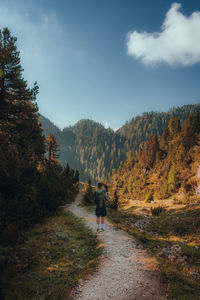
(95, 150)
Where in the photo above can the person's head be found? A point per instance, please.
(99, 185)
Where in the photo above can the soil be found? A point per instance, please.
(126, 271)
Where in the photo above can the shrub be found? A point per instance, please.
(88, 198)
(28, 210)
(149, 197)
(10, 235)
(157, 211)
(114, 202)
(6, 255)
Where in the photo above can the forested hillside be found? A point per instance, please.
(96, 151)
(89, 147)
(138, 130)
(165, 167)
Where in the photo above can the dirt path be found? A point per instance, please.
(126, 272)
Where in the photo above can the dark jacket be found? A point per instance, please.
(100, 197)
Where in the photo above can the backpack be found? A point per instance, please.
(100, 199)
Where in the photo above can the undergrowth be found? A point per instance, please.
(52, 259)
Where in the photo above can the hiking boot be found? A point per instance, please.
(98, 229)
(102, 229)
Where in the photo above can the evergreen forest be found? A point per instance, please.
(96, 151)
(163, 167)
(32, 183)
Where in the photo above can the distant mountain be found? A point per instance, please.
(48, 127)
(95, 151)
(88, 147)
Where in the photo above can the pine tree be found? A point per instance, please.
(174, 126)
(30, 186)
(18, 112)
(148, 156)
(190, 129)
(164, 141)
(129, 163)
(21, 141)
(52, 148)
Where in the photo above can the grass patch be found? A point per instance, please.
(52, 260)
(173, 238)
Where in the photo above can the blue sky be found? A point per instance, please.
(107, 60)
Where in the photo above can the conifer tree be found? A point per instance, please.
(30, 186)
(174, 126)
(164, 141)
(21, 141)
(18, 112)
(52, 148)
(129, 163)
(190, 129)
(149, 152)
(153, 148)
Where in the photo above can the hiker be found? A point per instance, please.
(100, 199)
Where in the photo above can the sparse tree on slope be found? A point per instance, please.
(190, 129)
(52, 148)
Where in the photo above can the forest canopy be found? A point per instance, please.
(163, 167)
(32, 183)
(95, 151)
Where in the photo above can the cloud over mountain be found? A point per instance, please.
(178, 43)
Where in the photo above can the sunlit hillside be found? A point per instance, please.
(95, 151)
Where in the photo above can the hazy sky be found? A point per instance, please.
(107, 60)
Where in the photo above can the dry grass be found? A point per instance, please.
(51, 261)
(178, 226)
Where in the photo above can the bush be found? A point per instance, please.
(6, 255)
(114, 202)
(22, 210)
(28, 210)
(157, 211)
(149, 197)
(10, 235)
(88, 198)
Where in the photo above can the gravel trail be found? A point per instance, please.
(126, 272)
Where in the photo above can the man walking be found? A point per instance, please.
(100, 199)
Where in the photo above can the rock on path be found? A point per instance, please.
(126, 272)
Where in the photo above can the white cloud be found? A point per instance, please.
(178, 43)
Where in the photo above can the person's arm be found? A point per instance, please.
(106, 188)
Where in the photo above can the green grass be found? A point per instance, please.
(52, 260)
(171, 228)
